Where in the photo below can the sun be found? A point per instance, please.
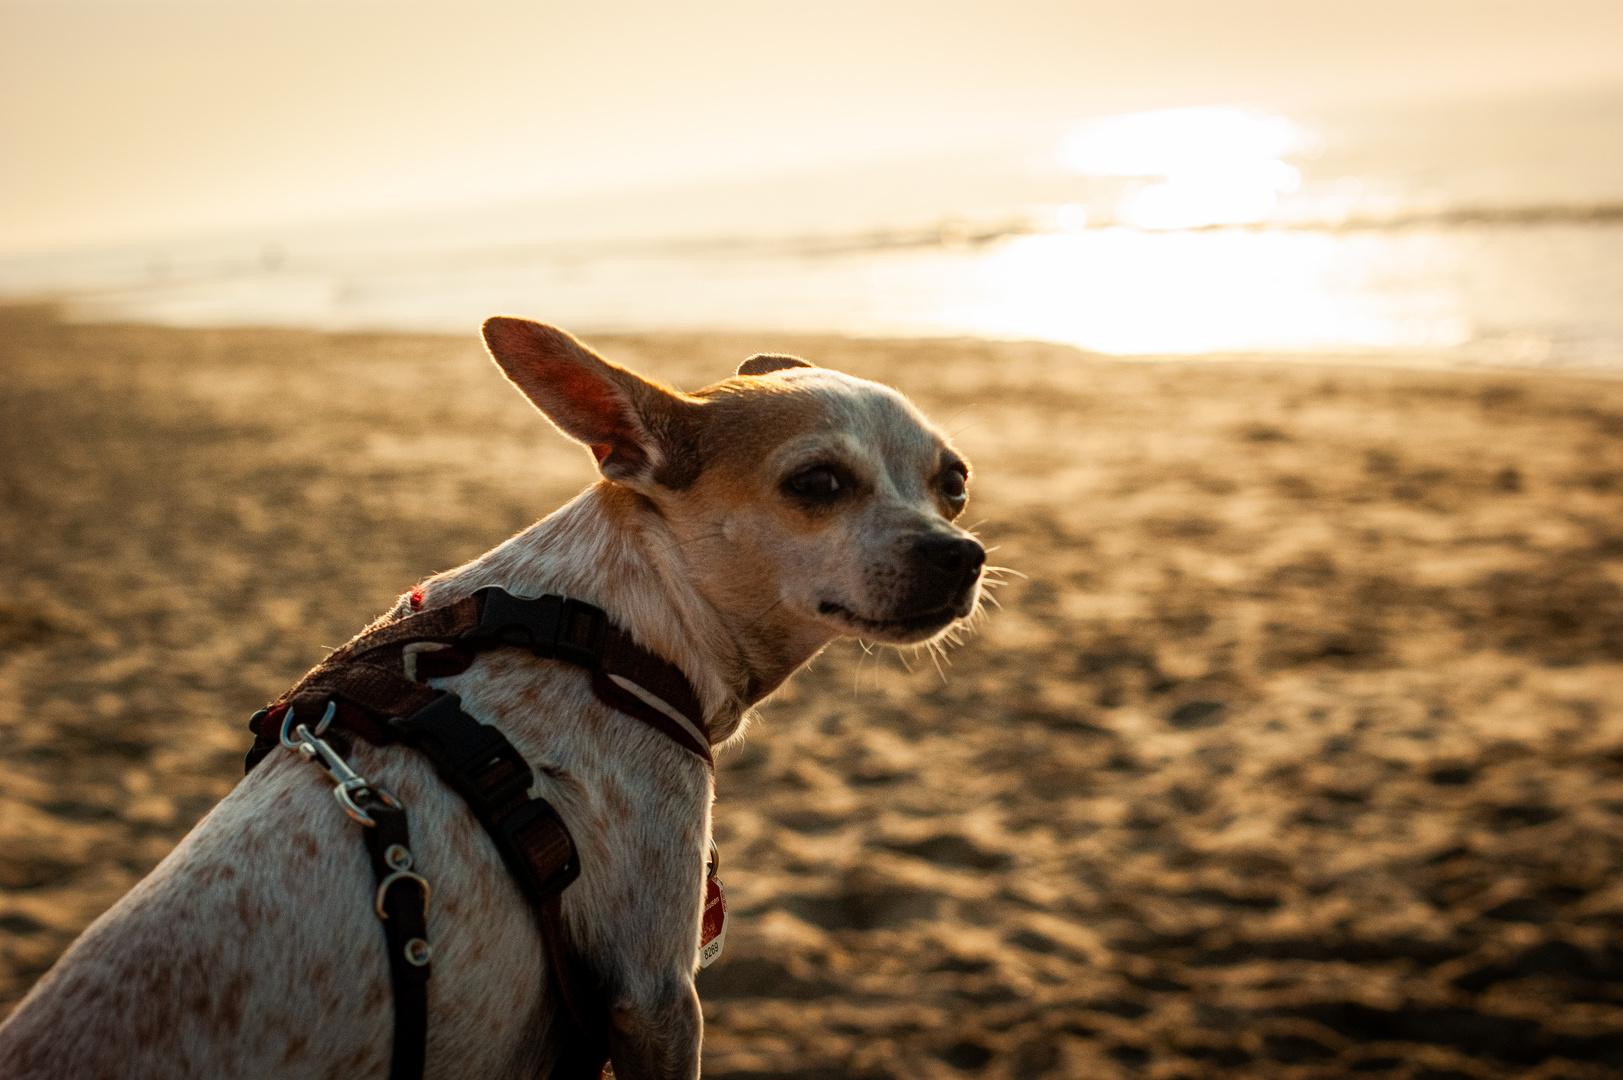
(1193, 167)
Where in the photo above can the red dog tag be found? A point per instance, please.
(713, 927)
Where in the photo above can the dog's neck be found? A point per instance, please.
(610, 547)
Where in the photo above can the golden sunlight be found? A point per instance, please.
(1192, 167)
(1126, 291)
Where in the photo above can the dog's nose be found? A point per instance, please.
(951, 558)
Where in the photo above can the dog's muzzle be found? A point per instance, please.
(944, 570)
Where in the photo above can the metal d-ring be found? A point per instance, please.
(383, 890)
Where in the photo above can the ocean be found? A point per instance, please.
(1475, 232)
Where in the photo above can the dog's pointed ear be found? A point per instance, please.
(635, 428)
(765, 363)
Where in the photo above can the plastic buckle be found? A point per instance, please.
(550, 626)
(509, 620)
(464, 751)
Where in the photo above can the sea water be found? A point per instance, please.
(1482, 232)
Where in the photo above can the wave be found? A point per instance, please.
(966, 233)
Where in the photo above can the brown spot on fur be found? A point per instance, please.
(376, 994)
(351, 1065)
(615, 801)
(231, 1003)
(155, 987)
(198, 1002)
(295, 1048)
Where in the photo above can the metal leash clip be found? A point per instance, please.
(347, 782)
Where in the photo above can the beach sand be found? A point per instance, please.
(1297, 751)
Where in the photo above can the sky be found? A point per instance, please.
(130, 119)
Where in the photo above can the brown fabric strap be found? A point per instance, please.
(443, 624)
(625, 658)
(379, 690)
(544, 846)
(618, 697)
(580, 634)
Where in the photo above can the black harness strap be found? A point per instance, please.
(367, 693)
(401, 901)
(493, 779)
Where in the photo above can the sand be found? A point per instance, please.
(1296, 752)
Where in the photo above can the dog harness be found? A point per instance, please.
(369, 689)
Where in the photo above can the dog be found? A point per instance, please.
(735, 532)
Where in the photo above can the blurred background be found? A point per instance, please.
(1284, 336)
(1157, 177)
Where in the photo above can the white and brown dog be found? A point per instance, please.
(736, 532)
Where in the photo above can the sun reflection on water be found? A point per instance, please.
(1124, 291)
(1193, 167)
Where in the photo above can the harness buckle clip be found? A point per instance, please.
(475, 759)
(549, 626)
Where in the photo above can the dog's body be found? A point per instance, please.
(737, 532)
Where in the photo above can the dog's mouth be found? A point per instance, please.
(920, 624)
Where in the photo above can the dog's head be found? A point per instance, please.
(806, 502)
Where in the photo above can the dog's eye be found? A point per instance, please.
(819, 485)
(954, 483)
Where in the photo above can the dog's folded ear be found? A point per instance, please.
(765, 363)
(638, 430)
